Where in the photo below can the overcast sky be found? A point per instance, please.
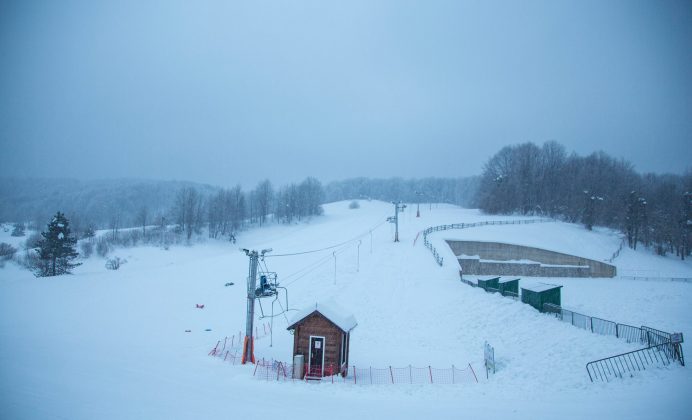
(225, 92)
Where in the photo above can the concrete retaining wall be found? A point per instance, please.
(563, 265)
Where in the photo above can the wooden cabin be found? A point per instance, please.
(321, 334)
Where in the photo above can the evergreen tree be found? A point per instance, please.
(56, 250)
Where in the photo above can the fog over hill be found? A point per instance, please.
(102, 203)
(88, 202)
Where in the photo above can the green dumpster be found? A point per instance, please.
(490, 283)
(509, 287)
(540, 293)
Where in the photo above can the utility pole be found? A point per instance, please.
(249, 342)
(419, 194)
(358, 260)
(398, 207)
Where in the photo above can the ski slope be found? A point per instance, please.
(106, 344)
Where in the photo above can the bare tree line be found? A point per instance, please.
(121, 205)
(222, 214)
(229, 210)
(596, 190)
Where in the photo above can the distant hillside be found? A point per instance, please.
(460, 191)
(35, 200)
(101, 202)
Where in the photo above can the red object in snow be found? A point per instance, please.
(198, 306)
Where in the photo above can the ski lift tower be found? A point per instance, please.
(248, 343)
(419, 194)
(398, 207)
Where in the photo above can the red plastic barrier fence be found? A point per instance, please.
(216, 351)
(279, 371)
(213, 351)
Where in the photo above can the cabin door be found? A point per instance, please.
(316, 362)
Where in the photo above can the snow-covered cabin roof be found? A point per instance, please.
(540, 287)
(506, 279)
(330, 310)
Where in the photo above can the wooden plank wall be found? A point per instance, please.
(318, 325)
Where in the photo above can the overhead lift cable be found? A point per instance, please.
(329, 247)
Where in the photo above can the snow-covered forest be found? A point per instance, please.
(596, 190)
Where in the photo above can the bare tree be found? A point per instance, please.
(141, 219)
(115, 222)
(188, 211)
(238, 208)
(263, 197)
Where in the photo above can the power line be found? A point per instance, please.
(315, 263)
(312, 267)
(326, 248)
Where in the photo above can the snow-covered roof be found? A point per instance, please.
(540, 287)
(506, 279)
(330, 310)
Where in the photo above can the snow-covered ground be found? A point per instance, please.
(112, 344)
(6, 236)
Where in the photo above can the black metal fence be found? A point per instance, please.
(601, 326)
(628, 363)
(432, 229)
(659, 349)
(673, 279)
(654, 337)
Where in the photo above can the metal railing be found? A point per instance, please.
(628, 363)
(673, 279)
(659, 344)
(654, 337)
(596, 325)
(438, 257)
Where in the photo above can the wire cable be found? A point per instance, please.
(327, 248)
(301, 273)
(311, 267)
(322, 261)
